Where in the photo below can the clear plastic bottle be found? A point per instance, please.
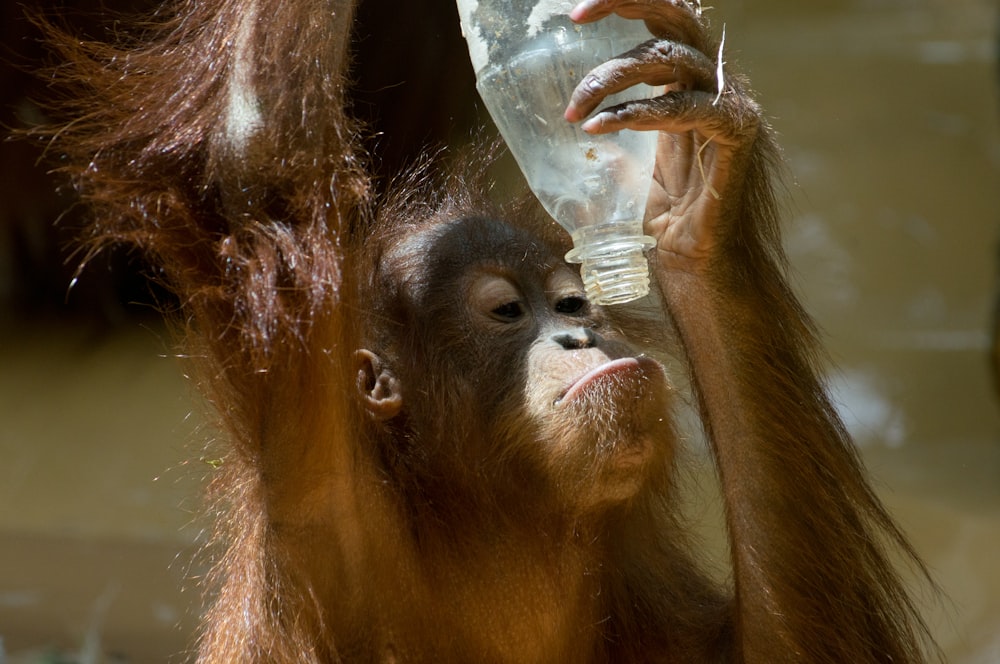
(528, 57)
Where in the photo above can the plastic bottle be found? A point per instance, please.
(528, 57)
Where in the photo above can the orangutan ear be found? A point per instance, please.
(379, 389)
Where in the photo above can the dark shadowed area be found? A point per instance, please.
(887, 111)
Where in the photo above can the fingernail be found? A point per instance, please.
(581, 10)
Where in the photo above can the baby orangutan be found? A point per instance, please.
(439, 450)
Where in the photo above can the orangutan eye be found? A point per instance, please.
(499, 298)
(510, 311)
(571, 305)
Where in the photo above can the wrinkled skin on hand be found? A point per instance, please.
(706, 133)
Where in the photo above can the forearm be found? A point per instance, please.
(219, 149)
(805, 529)
(751, 357)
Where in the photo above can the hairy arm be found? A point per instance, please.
(813, 579)
(215, 143)
(809, 540)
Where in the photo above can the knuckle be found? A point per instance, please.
(592, 82)
(664, 49)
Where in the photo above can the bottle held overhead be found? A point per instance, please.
(529, 56)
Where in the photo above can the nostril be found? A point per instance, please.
(576, 338)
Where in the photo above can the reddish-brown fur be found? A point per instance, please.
(353, 529)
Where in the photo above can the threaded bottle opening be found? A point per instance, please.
(614, 266)
(616, 280)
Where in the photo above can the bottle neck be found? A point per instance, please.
(613, 261)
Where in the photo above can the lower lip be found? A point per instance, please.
(606, 369)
